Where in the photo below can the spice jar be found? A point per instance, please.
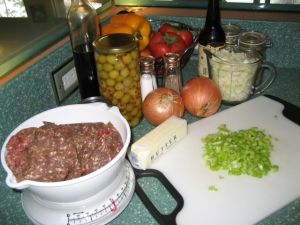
(117, 63)
(172, 74)
(148, 77)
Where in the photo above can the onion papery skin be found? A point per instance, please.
(201, 96)
(162, 103)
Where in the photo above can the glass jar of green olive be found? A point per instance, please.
(117, 63)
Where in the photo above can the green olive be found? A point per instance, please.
(119, 86)
(133, 92)
(129, 107)
(128, 82)
(103, 74)
(110, 82)
(134, 111)
(133, 122)
(111, 59)
(113, 74)
(132, 65)
(119, 65)
(126, 98)
(118, 94)
(126, 58)
(115, 101)
(99, 66)
(100, 58)
(134, 54)
(107, 67)
(124, 72)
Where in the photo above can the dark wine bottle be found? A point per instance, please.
(84, 29)
(212, 35)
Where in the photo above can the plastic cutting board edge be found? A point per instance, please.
(239, 200)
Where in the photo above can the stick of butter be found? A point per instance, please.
(158, 141)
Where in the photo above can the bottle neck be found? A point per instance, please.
(213, 17)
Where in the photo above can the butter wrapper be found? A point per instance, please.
(157, 142)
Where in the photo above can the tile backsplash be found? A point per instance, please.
(31, 92)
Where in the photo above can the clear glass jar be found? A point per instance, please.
(255, 42)
(117, 62)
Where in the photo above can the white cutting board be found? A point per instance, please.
(240, 200)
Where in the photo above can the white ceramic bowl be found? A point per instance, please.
(85, 186)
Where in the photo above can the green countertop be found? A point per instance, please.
(286, 86)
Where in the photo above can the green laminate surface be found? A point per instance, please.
(31, 92)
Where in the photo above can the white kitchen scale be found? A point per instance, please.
(98, 209)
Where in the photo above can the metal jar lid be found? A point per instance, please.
(253, 41)
(232, 32)
(115, 43)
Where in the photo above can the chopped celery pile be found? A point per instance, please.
(239, 152)
(212, 188)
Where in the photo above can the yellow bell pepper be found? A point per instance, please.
(130, 23)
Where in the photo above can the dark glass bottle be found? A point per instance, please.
(211, 36)
(84, 29)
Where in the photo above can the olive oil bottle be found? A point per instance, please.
(211, 36)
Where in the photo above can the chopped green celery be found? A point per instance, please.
(239, 152)
(212, 188)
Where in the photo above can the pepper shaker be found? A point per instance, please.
(172, 76)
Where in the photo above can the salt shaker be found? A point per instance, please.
(172, 75)
(148, 78)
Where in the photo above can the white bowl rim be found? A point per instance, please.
(26, 183)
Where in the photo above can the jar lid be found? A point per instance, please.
(147, 61)
(231, 30)
(115, 43)
(172, 59)
(252, 38)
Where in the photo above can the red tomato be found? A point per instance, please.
(186, 35)
(163, 42)
(166, 27)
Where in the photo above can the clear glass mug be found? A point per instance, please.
(235, 72)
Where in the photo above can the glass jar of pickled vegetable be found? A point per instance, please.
(117, 63)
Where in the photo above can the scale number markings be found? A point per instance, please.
(109, 206)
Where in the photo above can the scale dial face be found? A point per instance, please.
(100, 209)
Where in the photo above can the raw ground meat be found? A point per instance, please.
(61, 152)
